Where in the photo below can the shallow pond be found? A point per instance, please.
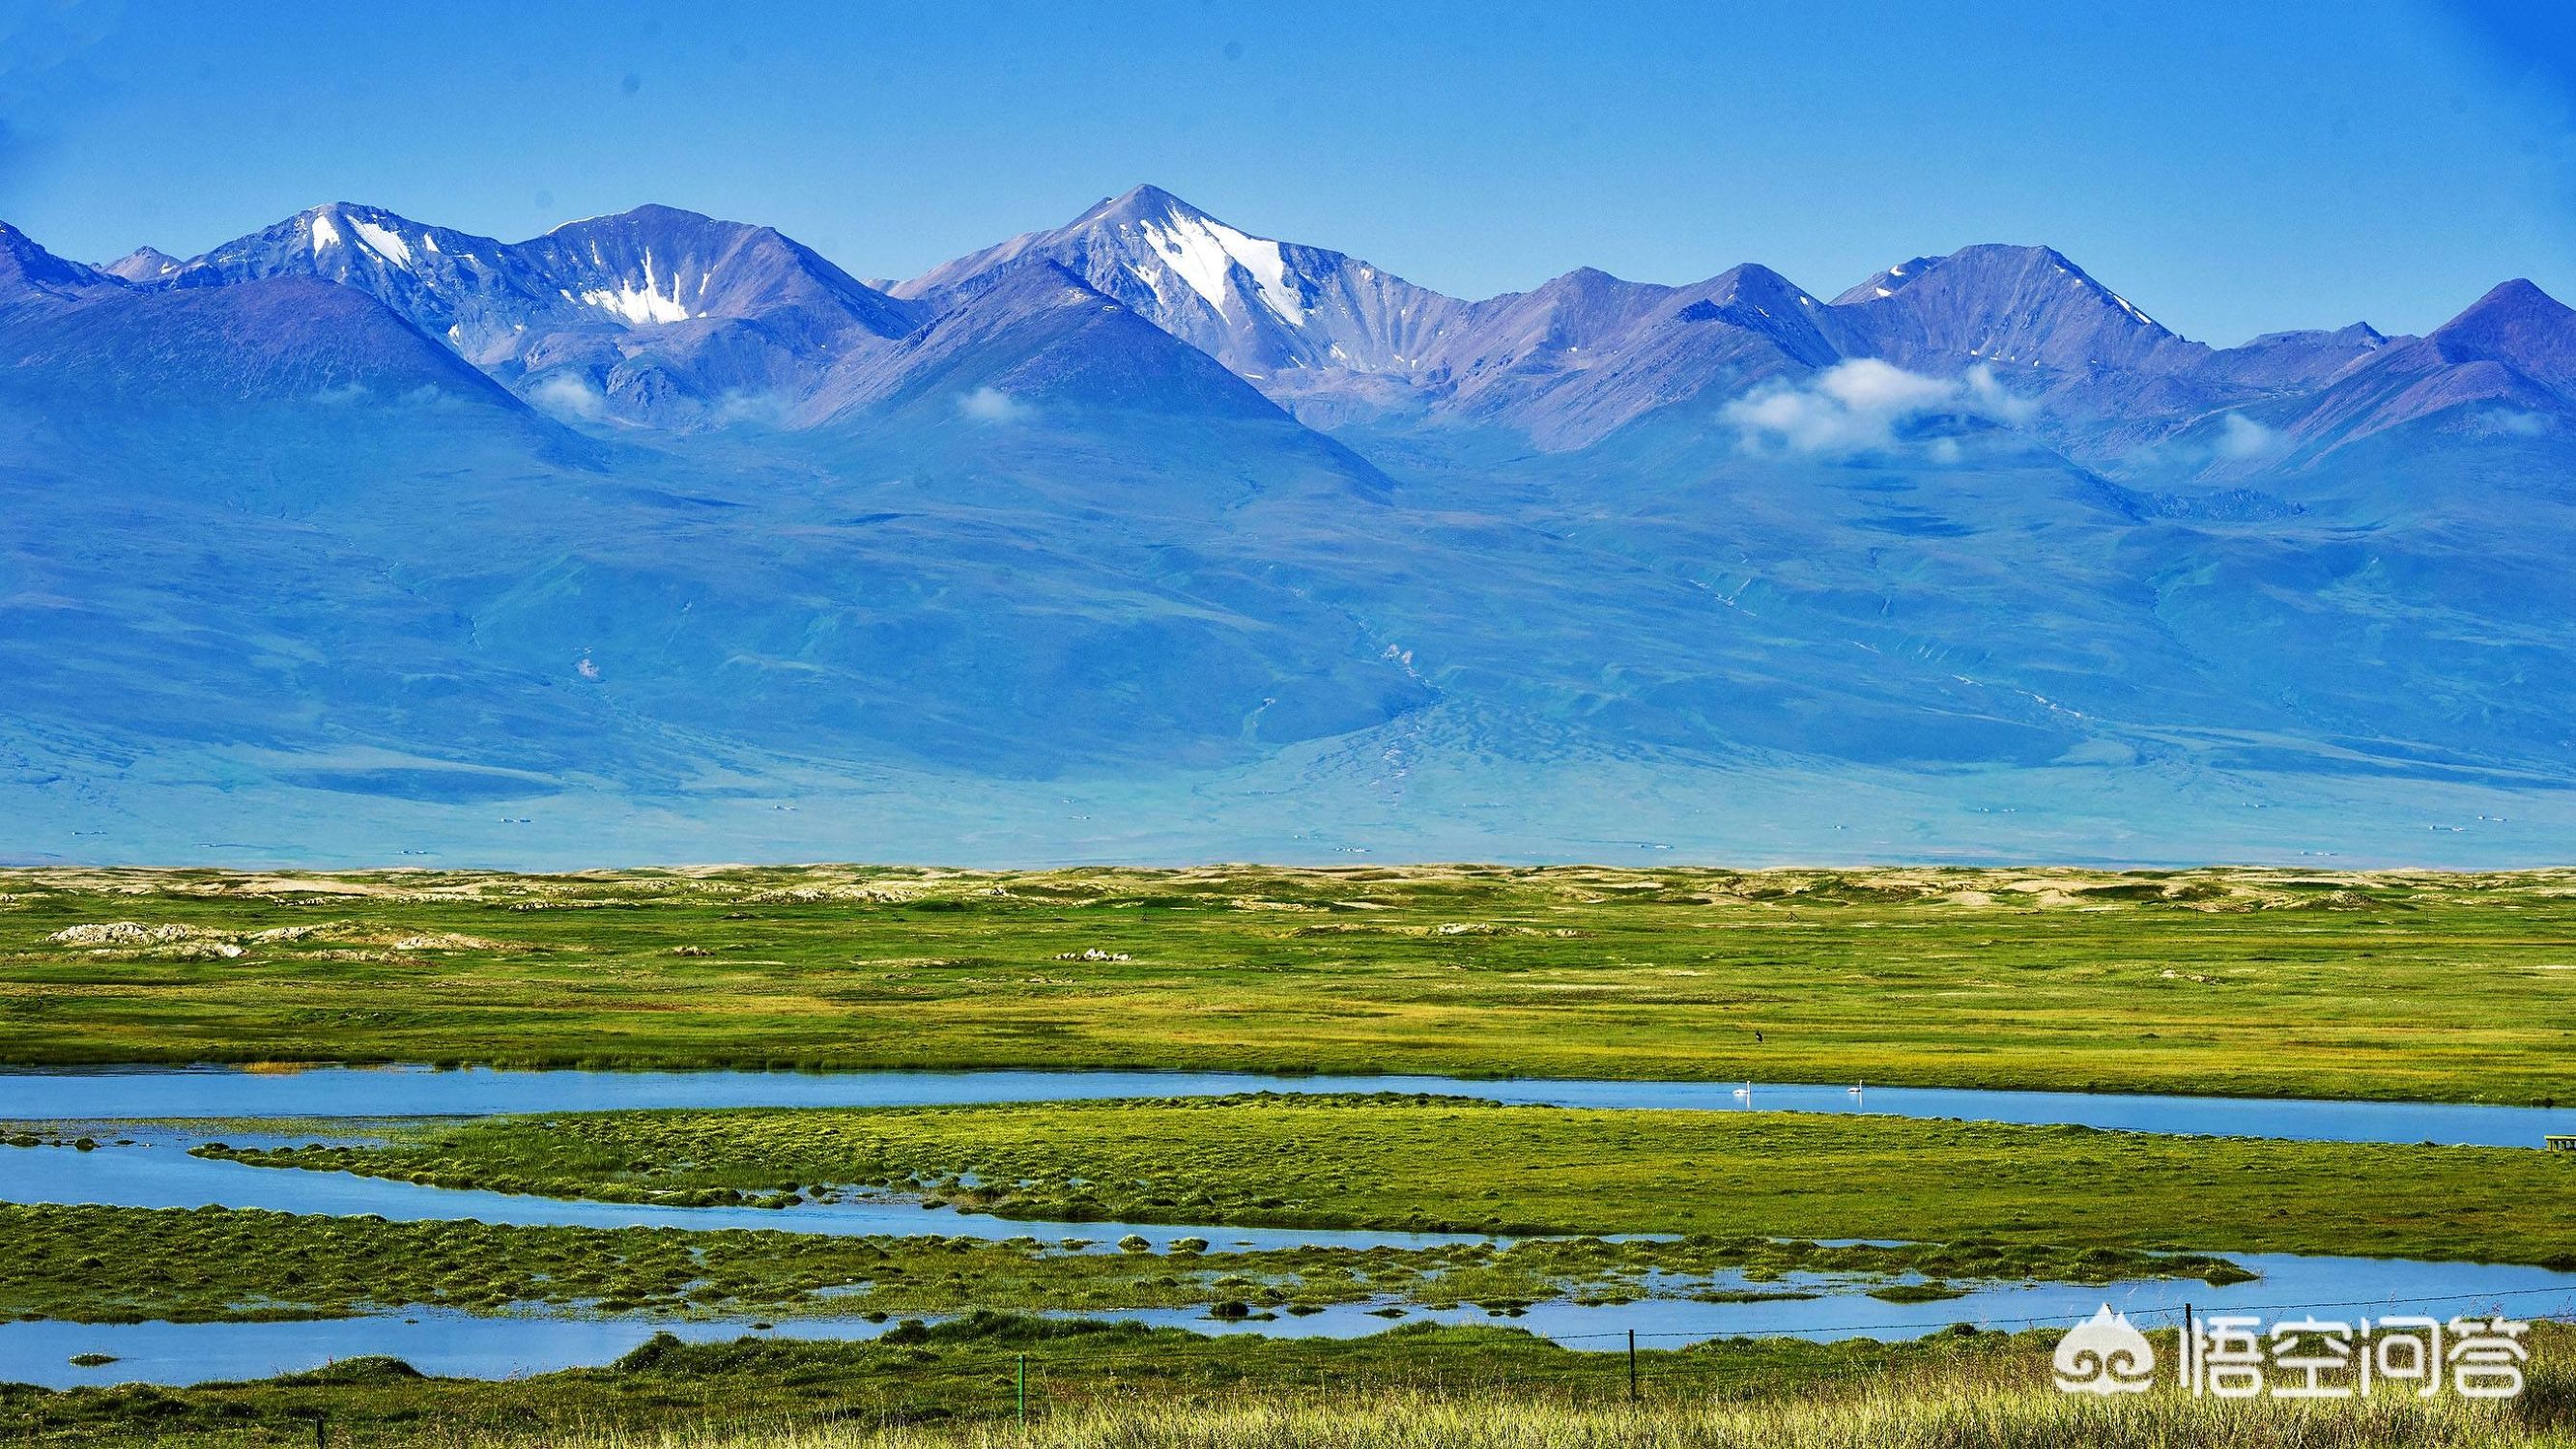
(419, 1091)
(444, 1343)
(161, 1174)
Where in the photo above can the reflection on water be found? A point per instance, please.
(453, 1344)
(418, 1091)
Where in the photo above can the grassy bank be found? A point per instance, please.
(954, 1373)
(102, 1265)
(2269, 982)
(1098, 1386)
(1915, 1416)
(1439, 1163)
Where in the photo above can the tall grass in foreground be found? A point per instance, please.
(1993, 1416)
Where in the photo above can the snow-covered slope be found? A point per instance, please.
(1299, 322)
(144, 265)
(655, 316)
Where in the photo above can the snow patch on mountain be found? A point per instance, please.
(1203, 251)
(384, 241)
(645, 305)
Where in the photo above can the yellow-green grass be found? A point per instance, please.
(1101, 1387)
(1396, 1162)
(1913, 1416)
(2455, 988)
(94, 1264)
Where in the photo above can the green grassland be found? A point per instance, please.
(1454, 1164)
(93, 1264)
(1099, 1386)
(951, 1373)
(2444, 987)
(2399, 985)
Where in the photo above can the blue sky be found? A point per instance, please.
(2232, 168)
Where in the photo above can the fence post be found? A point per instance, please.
(1632, 1365)
(2190, 1343)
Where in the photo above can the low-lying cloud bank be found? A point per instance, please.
(1858, 406)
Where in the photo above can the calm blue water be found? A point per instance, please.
(157, 1172)
(160, 1174)
(446, 1343)
(417, 1091)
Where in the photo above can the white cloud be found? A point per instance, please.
(569, 396)
(1856, 406)
(992, 405)
(2241, 437)
(768, 409)
(2514, 423)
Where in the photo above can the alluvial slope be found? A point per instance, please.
(72, 336)
(1036, 334)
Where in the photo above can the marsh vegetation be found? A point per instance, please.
(104, 1265)
(1100, 1386)
(1434, 1163)
(2394, 985)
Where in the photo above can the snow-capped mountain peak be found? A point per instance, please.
(1188, 246)
(144, 265)
(1277, 313)
(421, 271)
(1203, 253)
(653, 315)
(668, 317)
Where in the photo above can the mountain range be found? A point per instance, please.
(1145, 537)
(665, 319)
